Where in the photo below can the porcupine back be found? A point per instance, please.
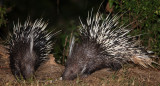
(29, 46)
(114, 39)
(103, 44)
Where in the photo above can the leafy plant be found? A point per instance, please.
(2, 16)
(146, 17)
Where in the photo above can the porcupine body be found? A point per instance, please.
(103, 44)
(29, 46)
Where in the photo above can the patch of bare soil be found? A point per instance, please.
(50, 72)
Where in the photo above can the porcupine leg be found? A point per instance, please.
(113, 65)
(15, 71)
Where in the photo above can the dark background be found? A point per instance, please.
(64, 15)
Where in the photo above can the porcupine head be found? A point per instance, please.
(29, 46)
(103, 44)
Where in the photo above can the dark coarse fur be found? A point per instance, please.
(22, 62)
(29, 46)
(85, 59)
(103, 44)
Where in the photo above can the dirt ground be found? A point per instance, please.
(49, 75)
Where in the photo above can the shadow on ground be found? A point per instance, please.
(50, 72)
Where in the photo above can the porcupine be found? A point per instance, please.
(29, 46)
(103, 44)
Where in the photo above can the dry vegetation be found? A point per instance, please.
(49, 75)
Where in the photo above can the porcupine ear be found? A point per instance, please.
(71, 46)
